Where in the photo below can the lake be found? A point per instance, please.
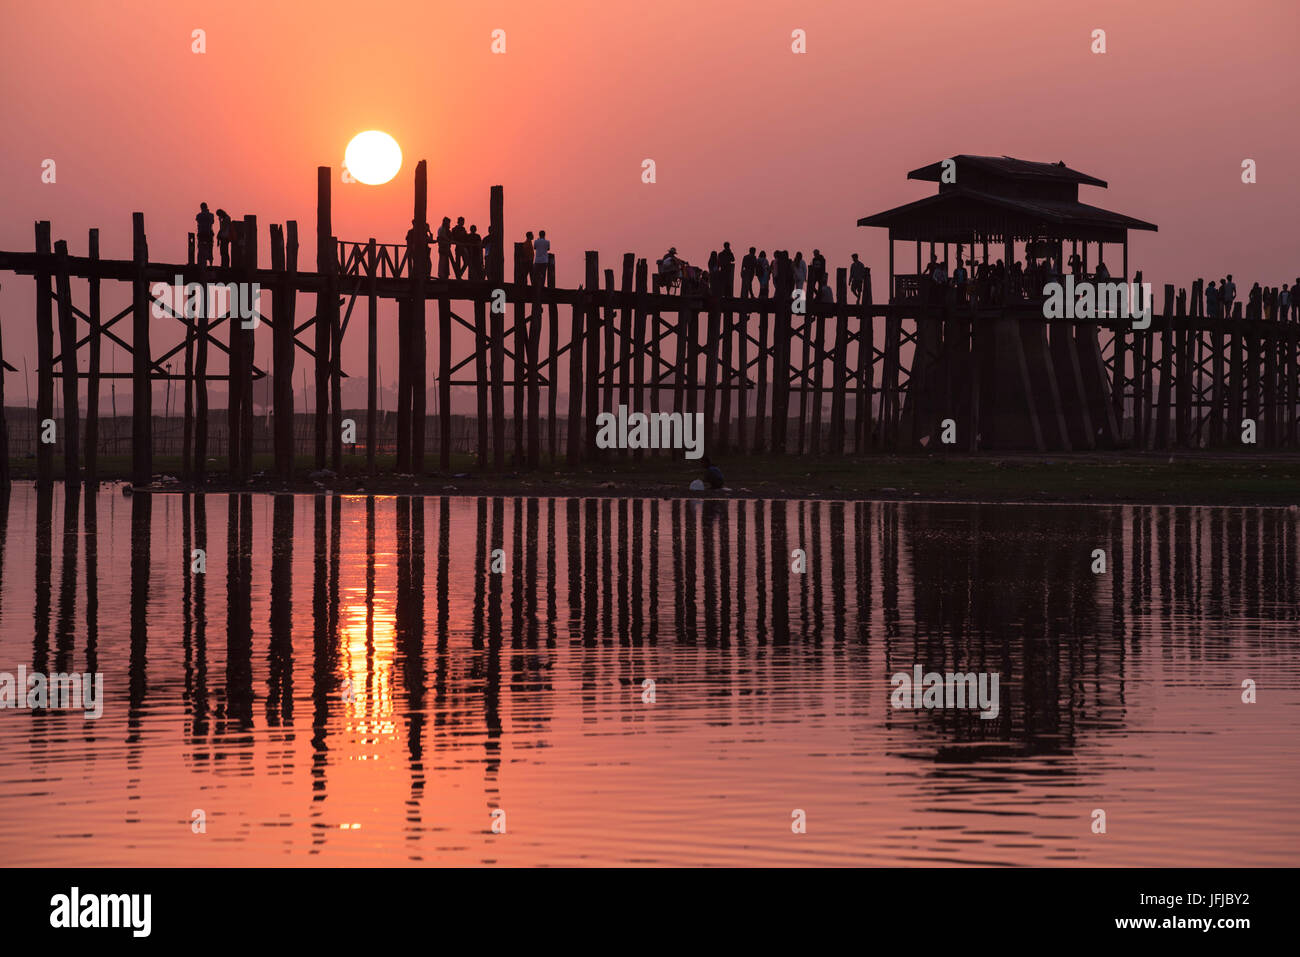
(356, 680)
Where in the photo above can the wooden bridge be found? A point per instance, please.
(1008, 377)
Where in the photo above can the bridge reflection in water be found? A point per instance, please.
(365, 680)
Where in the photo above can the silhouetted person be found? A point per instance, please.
(800, 270)
(223, 236)
(1212, 301)
(418, 240)
(1253, 302)
(857, 276)
(541, 259)
(474, 247)
(524, 257)
(444, 248)
(459, 239)
(1228, 293)
(817, 271)
(726, 260)
(1103, 274)
(763, 270)
(489, 244)
(748, 267)
(203, 235)
(1284, 303)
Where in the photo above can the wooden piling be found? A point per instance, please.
(638, 343)
(1166, 370)
(44, 354)
(576, 338)
(476, 271)
(68, 365)
(247, 354)
(372, 357)
(862, 429)
(141, 380)
(523, 267)
(200, 449)
(282, 349)
(840, 364)
(553, 358)
(593, 349)
(92, 373)
(419, 369)
(533, 382)
(324, 301)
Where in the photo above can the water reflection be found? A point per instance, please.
(459, 656)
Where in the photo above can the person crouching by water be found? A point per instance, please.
(712, 474)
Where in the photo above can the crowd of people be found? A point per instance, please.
(1268, 303)
(810, 276)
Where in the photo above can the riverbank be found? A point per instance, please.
(1196, 478)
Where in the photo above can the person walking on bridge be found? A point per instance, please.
(203, 234)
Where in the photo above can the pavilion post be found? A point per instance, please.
(68, 365)
(44, 353)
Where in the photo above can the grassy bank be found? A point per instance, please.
(1188, 478)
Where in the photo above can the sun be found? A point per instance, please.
(373, 157)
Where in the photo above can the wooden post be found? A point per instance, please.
(44, 353)
(839, 369)
(1166, 369)
(480, 366)
(235, 345)
(862, 430)
(638, 342)
(781, 364)
(742, 371)
(141, 382)
(533, 379)
(610, 356)
(372, 356)
(818, 371)
(247, 353)
(68, 365)
(419, 372)
(92, 374)
(593, 348)
(4, 427)
(760, 396)
(724, 378)
(553, 355)
(324, 302)
(575, 381)
(655, 359)
(496, 257)
(282, 350)
(200, 449)
(625, 332)
(711, 337)
(523, 267)
(498, 326)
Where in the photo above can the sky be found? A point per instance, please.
(752, 142)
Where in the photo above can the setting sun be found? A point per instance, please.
(373, 157)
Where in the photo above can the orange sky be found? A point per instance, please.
(753, 143)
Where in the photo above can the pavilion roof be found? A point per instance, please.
(1010, 168)
(961, 214)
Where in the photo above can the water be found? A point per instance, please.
(350, 683)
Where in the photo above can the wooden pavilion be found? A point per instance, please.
(1015, 389)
